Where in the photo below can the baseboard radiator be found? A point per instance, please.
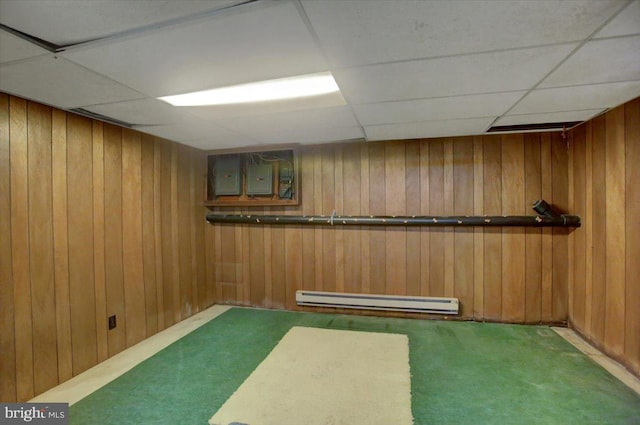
(434, 305)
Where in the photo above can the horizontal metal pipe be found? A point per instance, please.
(456, 221)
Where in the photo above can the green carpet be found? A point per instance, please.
(462, 373)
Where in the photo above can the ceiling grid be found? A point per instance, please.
(405, 69)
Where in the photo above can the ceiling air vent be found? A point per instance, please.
(100, 117)
(547, 126)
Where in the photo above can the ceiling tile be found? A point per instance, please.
(364, 32)
(294, 122)
(259, 42)
(549, 117)
(470, 74)
(58, 82)
(426, 129)
(598, 96)
(199, 134)
(140, 112)
(14, 48)
(625, 23)
(65, 22)
(311, 135)
(474, 106)
(618, 59)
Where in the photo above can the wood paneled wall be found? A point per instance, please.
(95, 220)
(98, 220)
(512, 274)
(605, 279)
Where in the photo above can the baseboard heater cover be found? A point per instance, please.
(434, 305)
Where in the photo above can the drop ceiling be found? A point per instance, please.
(405, 68)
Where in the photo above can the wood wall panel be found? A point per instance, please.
(487, 269)
(166, 221)
(599, 230)
(60, 243)
(132, 256)
(81, 214)
(148, 235)
(7, 310)
(463, 202)
(307, 280)
(395, 204)
(478, 233)
(615, 235)
(184, 223)
(605, 269)
(492, 254)
(377, 237)
(99, 169)
(81, 272)
(449, 248)
(546, 307)
(513, 247)
(339, 231)
(20, 247)
(412, 200)
(632, 227)
(99, 242)
(352, 204)
(198, 226)
(157, 234)
(578, 291)
(560, 243)
(45, 356)
(436, 207)
(113, 237)
(533, 237)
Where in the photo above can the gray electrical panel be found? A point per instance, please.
(260, 179)
(227, 175)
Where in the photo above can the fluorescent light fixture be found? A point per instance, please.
(282, 88)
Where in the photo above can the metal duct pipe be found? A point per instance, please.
(544, 209)
(456, 221)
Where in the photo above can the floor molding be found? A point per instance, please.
(610, 365)
(91, 380)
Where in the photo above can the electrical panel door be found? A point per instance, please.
(227, 175)
(260, 179)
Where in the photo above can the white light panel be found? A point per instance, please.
(299, 86)
(279, 106)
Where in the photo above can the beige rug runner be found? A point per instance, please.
(326, 377)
